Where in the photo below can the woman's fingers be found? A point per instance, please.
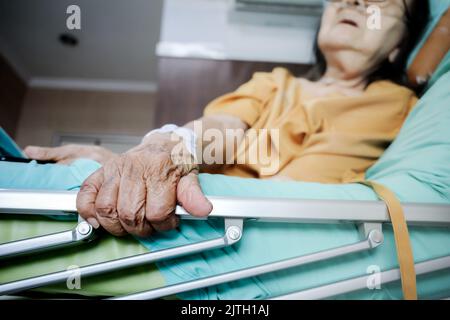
(191, 197)
(97, 198)
(170, 223)
(106, 200)
(131, 202)
(87, 195)
(43, 153)
(68, 153)
(161, 201)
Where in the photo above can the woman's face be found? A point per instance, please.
(346, 38)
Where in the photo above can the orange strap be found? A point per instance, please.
(402, 241)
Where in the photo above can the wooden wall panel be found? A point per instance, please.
(185, 86)
(12, 93)
(46, 112)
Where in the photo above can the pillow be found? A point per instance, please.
(418, 161)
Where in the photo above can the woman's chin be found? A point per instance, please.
(338, 44)
(337, 39)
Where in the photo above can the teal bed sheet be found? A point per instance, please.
(262, 242)
(268, 242)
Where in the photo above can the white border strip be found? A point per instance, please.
(214, 51)
(93, 84)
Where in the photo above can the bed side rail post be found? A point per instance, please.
(83, 232)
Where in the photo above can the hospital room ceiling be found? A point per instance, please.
(116, 42)
(119, 40)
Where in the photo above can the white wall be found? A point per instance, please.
(212, 29)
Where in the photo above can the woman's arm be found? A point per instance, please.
(224, 131)
(136, 192)
(221, 133)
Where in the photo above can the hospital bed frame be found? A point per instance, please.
(369, 215)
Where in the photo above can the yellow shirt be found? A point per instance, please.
(327, 139)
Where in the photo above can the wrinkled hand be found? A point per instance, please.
(138, 191)
(68, 153)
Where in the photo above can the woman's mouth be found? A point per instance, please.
(349, 22)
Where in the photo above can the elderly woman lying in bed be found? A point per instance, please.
(329, 128)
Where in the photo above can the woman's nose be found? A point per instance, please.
(356, 3)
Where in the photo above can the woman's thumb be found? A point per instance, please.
(191, 197)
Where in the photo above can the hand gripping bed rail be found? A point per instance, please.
(369, 214)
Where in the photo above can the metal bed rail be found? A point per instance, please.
(373, 240)
(359, 283)
(260, 209)
(369, 215)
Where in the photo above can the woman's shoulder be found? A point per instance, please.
(387, 86)
(275, 73)
(391, 90)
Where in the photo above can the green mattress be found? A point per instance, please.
(107, 248)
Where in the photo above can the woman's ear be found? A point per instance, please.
(393, 55)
